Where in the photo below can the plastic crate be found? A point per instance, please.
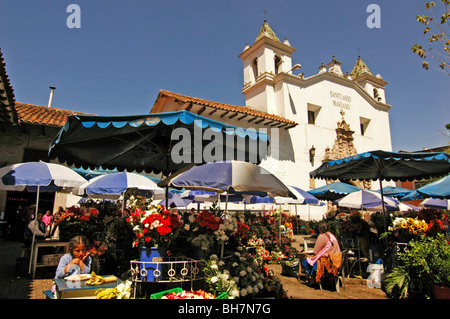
(161, 294)
(223, 295)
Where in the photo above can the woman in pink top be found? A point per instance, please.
(47, 218)
(326, 243)
(325, 238)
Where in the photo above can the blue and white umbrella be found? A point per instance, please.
(114, 185)
(367, 200)
(39, 174)
(229, 176)
(303, 198)
(19, 176)
(176, 200)
(199, 196)
(436, 203)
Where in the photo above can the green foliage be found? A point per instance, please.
(438, 36)
(397, 283)
(427, 259)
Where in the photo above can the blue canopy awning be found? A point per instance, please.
(146, 142)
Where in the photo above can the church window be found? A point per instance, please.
(311, 117)
(313, 112)
(363, 124)
(278, 62)
(255, 68)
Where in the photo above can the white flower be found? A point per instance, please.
(187, 226)
(221, 263)
(236, 280)
(242, 273)
(235, 264)
(214, 266)
(249, 269)
(243, 292)
(249, 289)
(214, 279)
(234, 293)
(223, 277)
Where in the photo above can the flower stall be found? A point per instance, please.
(164, 248)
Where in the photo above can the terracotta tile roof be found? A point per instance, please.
(7, 99)
(226, 107)
(42, 115)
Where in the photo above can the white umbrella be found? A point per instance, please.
(40, 174)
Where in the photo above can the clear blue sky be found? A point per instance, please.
(126, 51)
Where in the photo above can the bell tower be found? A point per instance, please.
(263, 61)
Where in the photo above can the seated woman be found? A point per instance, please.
(326, 254)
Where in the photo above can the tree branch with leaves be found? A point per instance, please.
(437, 30)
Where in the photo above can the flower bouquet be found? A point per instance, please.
(156, 227)
(218, 278)
(405, 228)
(204, 229)
(78, 221)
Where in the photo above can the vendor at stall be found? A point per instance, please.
(36, 227)
(326, 247)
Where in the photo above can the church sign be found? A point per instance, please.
(341, 100)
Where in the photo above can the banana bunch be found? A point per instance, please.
(110, 293)
(98, 280)
(122, 291)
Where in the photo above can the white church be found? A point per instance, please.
(328, 115)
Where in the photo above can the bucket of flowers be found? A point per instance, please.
(155, 230)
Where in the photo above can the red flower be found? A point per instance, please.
(164, 230)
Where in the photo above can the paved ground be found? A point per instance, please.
(14, 286)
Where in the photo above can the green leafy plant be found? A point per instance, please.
(426, 259)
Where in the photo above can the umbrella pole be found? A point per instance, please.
(123, 202)
(225, 217)
(34, 231)
(384, 208)
(167, 196)
(280, 227)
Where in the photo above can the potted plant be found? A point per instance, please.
(427, 259)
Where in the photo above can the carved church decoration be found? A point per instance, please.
(343, 147)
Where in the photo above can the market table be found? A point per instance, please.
(66, 289)
(45, 243)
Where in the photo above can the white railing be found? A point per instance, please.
(173, 269)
